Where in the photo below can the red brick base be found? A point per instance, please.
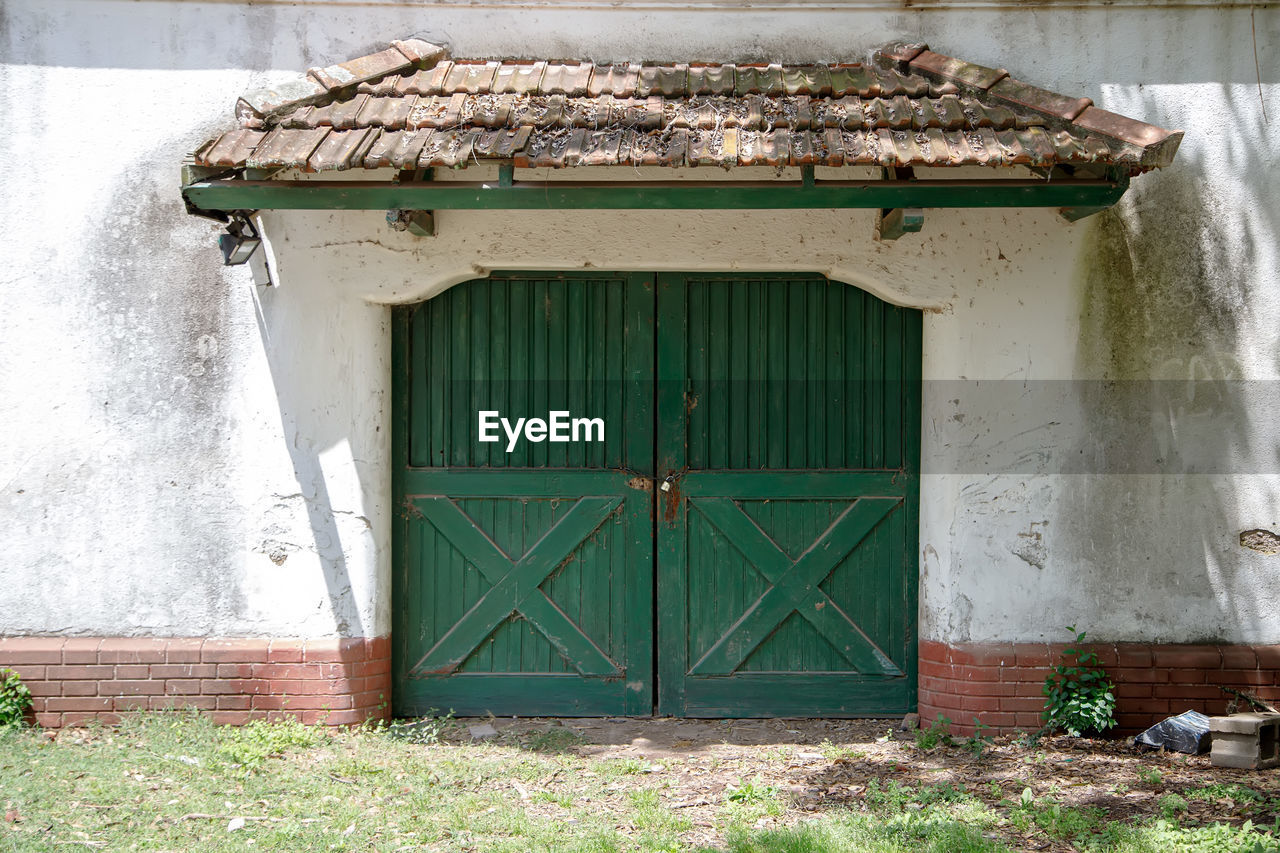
(340, 682)
(74, 679)
(1000, 683)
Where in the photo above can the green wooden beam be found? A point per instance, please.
(901, 220)
(227, 195)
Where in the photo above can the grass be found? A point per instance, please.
(173, 781)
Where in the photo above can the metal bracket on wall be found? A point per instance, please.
(893, 222)
(419, 223)
(1082, 171)
(1072, 214)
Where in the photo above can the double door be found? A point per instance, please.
(685, 494)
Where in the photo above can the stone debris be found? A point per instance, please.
(482, 731)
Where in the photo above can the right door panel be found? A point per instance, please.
(788, 432)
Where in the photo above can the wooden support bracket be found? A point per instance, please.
(892, 223)
(419, 223)
(1074, 214)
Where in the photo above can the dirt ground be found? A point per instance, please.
(818, 765)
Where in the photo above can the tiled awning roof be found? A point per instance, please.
(411, 107)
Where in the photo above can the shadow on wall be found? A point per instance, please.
(1180, 283)
(331, 421)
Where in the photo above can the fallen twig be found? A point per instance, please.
(204, 816)
(701, 801)
(1251, 698)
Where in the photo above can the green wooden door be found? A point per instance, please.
(524, 579)
(782, 413)
(789, 431)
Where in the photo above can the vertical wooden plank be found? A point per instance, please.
(856, 379)
(539, 359)
(716, 399)
(797, 374)
(671, 371)
(577, 334)
(775, 330)
(477, 320)
(803, 648)
(485, 513)
(499, 380)
(696, 329)
(723, 594)
(460, 412)
(894, 390)
(597, 378)
(558, 334)
(835, 388)
(522, 359)
(757, 376)
(622, 370)
(738, 373)
(875, 345)
(636, 315)
(815, 375)
(430, 351)
(636, 320)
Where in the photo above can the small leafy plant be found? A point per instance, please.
(1150, 776)
(426, 731)
(979, 743)
(15, 699)
(750, 792)
(252, 744)
(939, 731)
(1079, 696)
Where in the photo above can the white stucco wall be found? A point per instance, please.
(187, 454)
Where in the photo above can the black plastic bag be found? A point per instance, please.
(1187, 733)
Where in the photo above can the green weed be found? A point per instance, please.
(1150, 776)
(424, 731)
(939, 732)
(1079, 696)
(750, 792)
(15, 699)
(556, 739)
(252, 744)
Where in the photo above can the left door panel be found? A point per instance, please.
(523, 567)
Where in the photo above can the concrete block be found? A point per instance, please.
(1249, 741)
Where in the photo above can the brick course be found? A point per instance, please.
(341, 682)
(1000, 682)
(75, 680)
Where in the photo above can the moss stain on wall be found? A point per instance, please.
(1163, 287)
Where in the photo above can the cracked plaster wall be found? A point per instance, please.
(187, 454)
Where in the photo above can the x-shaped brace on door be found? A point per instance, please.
(515, 586)
(794, 586)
